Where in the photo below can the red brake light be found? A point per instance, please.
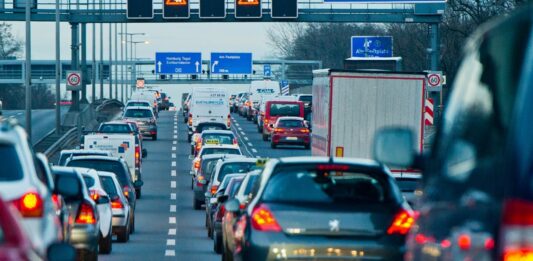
(264, 220)
(229, 120)
(489, 244)
(235, 141)
(117, 204)
(517, 230)
(86, 214)
(333, 167)
(445, 243)
(126, 191)
(304, 130)
(401, 224)
(55, 199)
(30, 205)
(464, 242)
(221, 212)
(278, 130)
(214, 189)
(198, 143)
(197, 164)
(137, 155)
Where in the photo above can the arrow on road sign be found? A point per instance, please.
(213, 67)
(159, 66)
(197, 66)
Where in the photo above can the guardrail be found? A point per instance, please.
(65, 141)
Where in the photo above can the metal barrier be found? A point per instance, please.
(64, 142)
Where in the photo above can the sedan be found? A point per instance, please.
(119, 205)
(290, 131)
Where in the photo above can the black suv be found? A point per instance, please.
(477, 197)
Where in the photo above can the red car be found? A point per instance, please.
(290, 131)
(14, 245)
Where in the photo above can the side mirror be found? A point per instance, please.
(67, 186)
(61, 252)
(138, 183)
(233, 206)
(144, 153)
(395, 147)
(103, 200)
(222, 198)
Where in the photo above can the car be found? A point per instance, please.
(145, 119)
(224, 193)
(476, 201)
(115, 127)
(85, 234)
(290, 131)
(120, 169)
(149, 96)
(213, 137)
(185, 107)
(212, 149)
(277, 109)
(211, 207)
(164, 103)
(103, 204)
(14, 244)
(356, 207)
(21, 186)
(244, 195)
(208, 104)
(119, 205)
(142, 103)
(64, 155)
(232, 101)
(203, 126)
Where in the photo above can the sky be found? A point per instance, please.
(162, 37)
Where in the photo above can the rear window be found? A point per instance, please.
(208, 166)
(204, 127)
(134, 104)
(115, 128)
(109, 186)
(291, 124)
(233, 187)
(251, 183)
(104, 165)
(11, 168)
(306, 99)
(217, 139)
(327, 187)
(210, 151)
(65, 156)
(231, 168)
(408, 185)
(280, 109)
(89, 181)
(138, 113)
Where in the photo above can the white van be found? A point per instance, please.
(261, 90)
(209, 104)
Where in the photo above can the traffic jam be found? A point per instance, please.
(364, 179)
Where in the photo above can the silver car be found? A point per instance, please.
(119, 205)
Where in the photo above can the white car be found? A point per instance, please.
(103, 204)
(20, 185)
(244, 194)
(230, 166)
(213, 149)
(119, 205)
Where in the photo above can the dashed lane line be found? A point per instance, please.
(173, 148)
(173, 155)
(254, 150)
(246, 138)
(173, 164)
(171, 242)
(170, 253)
(173, 173)
(172, 231)
(172, 220)
(173, 208)
(173, 184)
(172, 196)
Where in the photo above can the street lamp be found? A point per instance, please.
(131, 47)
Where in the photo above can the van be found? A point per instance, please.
(261, 113)
(208, 105)
(276, 109)
(260, 90)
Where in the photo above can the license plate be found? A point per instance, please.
(292, 138)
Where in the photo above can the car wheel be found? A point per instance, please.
(89, 256)
(192, 150)
(206, 219)
(106, 244)
(265, 137)
(184, 119)
(189, 137)
(124, 235)
(138, 193)
(259, 129)
(209, 231)
(132, 225)
(217, 245)
(197, 204)
(154, 137)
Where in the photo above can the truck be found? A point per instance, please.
(349, 107)
(261, 90)
(208, 104)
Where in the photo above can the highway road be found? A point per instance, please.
(43, 120)
(167, 227)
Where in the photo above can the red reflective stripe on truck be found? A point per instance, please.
(329, 141)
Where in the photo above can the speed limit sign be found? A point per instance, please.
(434, 81)
(73, 80)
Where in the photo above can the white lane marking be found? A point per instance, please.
(173, 173)
(170, 253)
(173, 164)
(172, 220)
(243, 133)
(20, 113)
(175, 136)
(239, 128)
(175, 142)
(171, 231)
(258, 156)
(173, 196)
(175, 131)
(173, 148)
(250, 144)
(254, 150)
(173, 155)
(172, 208)
(191, 157)
(246, 138)
(171, 242)
(173, 184)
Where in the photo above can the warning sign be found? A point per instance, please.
(73, 80)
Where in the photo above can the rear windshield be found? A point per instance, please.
(138, 113)
(408, 185)
(231, 168)
(301, 186)
(280, 109)
(115, 128)
(65, 156)
(204, 127)
(104, 165)
(210, 151)
(227, 181)
(134, 104)
(217, 139)
(291, 124)
(109, 186)
(251, 182)
(89, 181)
(208, 166)
(11, 168)
(233, 187)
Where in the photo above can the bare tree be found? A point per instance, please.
(9, 45)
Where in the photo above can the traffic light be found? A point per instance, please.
(284, 9)
(176, 9)
(140, 9)
(248, 9)
(212, 9)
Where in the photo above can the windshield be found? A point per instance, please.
(138, 113)
(280, 109)
(104, 165)
(234, 186)
(115, 128)
(208, 151)
(11, 168)
(109, 186)
(291, 124)
(241, 167)
(217, 139)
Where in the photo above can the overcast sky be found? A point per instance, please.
(162, 37)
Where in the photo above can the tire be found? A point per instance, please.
(189, 137)
(154, 137)
(138, 193)
(192, 150)
(106, 244)
(217, 244)
(197, 204)
(209, 231)
(124, 235)
(89, 256)
(132, 226)
(184, 119)
(259, 129)
(265, 137)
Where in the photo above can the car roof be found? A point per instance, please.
(334, 160)
(139, 108)
(290, 118)
(85, 151)
(138, 100)
(107, 174)
(220, 146)
(114, 123)
(96, 157)
(239, 160)
(220, 156)
(234, 175)
(217, 132)
(62, 169)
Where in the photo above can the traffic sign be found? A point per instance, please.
(212, 9)
(73, 80)
(176, 9)
(248, 9)
(284, 84)
(371, 46)
(434, 79)
(140, 83)
(178, 63)
(284, 9)
(231, 63)
(267, 70)
(140, 9)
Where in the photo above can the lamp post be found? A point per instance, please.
(125, 42)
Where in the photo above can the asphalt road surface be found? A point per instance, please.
(43, 121)
(167, 227)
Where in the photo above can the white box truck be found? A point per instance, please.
(259, 91)
(350, 106)
(209, 104)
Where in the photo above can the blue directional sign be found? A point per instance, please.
(231, 63)
(371, 46)
(267, 70)
(178, 63)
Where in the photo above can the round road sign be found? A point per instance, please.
(434, 80)
(73, 79)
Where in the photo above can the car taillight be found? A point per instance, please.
(86, 214)
(264, 220)
(278, 130)
(517, 230)
(221, 212)
(94, 195)
(117, 204)
(197, 164)
(137, 155)
(126, 190)
(214, 189)
(304, 130)
(240, 227)
(235, 141)
(266, 122)
(198, 144)
(247, 104)
(464, 242)
(190, 119)
(30, 205)
(200, 181)
(229, 120)
(55, 199)
(401, 224)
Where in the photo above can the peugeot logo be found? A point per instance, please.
(334, 225)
